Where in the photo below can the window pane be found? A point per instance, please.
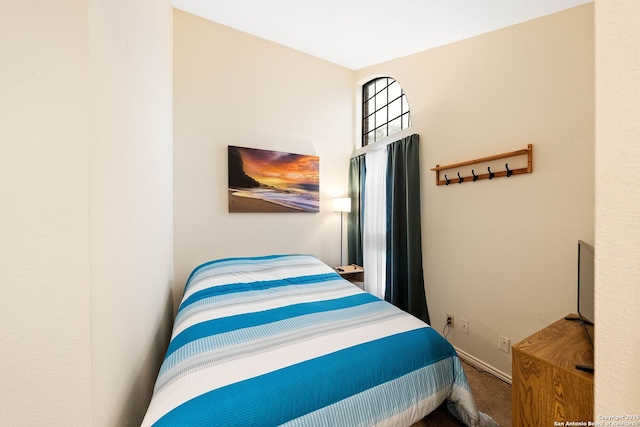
(381, 116)
(405, 121)
(370, 137)
(381, 84)
(381, 132)
(395, 126)
(405, 104)
(369, 90)
(368, 124)
(369, 107)
(394, 91)
(381, 99)
(395, 109)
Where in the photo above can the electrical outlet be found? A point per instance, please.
(450, 320)
(464, 325)
(503, 343)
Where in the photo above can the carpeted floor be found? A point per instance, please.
(493, 397)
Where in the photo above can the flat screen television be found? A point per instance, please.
(586, 300)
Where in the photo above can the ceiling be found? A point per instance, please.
(359, 33)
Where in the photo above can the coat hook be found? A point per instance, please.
(509, 173)
(475, 177)
(460, 179)
(490, 173)
(447, 180)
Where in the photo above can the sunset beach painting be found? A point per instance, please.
(272, 181)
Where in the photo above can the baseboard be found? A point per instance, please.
(479, 364)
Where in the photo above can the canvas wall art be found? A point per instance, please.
(272, 181)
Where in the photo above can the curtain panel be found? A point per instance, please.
(374, 237)
(355, 218)
(405, 278)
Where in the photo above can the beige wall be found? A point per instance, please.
(502, 253)
(130, 79)
(231, 88)
(617, 374)
(86, 209)
(86, 230)
(44, 214)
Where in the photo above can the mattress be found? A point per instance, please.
(285, 340)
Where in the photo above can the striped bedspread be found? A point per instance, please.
(284, 340)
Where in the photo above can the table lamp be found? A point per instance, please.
(341, 205)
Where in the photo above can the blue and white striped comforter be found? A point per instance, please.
(284, 340)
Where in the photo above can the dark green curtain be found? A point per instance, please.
(357, 172)
(405, 279)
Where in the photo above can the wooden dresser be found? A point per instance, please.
(546, 386)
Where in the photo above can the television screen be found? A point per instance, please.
(586, 309)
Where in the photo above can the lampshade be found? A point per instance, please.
(342, 204)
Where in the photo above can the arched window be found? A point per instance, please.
(385, 109)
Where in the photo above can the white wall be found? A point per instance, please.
(231, 88)
(86, 208)
(502, 253)
(617, 374)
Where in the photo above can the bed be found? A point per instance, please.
(285, 340)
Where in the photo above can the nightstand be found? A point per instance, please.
(353, 273)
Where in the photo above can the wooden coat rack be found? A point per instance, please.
(490, 174)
